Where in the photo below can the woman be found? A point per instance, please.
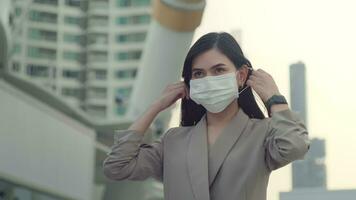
(225, 148)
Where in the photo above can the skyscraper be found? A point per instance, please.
(310, 172)
(298, 89)
(86, 51)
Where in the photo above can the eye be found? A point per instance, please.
(220, 70)
(197, 74)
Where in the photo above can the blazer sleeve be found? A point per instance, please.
(131, 159)
(287, 139)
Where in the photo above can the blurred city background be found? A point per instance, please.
(73, 71)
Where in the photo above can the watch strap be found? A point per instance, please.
(275, 99)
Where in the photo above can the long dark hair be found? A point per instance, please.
(191, 113)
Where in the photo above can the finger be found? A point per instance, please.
(180, 87)
(181, 92)
(176, 94)
(250, 83)
(260, 75)
(255, 82)
(174, 86)
(263, 72)
(256, 73)
(253, 77)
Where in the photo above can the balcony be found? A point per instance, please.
(98, 7)
(98, 21)
(97, 57)
(97, 41)
(46, 17)
(46, 2)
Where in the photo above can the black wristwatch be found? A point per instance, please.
(275, 99)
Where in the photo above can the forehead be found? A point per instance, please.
(209, 59)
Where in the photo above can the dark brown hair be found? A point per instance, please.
(191, 113)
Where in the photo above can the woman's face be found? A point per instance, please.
(214, 63)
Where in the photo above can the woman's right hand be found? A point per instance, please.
(171, 94)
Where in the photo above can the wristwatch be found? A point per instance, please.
(275, 99)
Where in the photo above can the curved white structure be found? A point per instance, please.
(169, 37)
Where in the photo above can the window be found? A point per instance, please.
(103, 4)
(132, 20)
(42, 16)
(72, 92)
(37, 70)
(126, 74)
(76, 21)
(71, 38)
(74, 56)
(38, 34)
(97, 38)
(35, 52)
(129, 3)
(17, 49)
(129, 55)
(122, 96)
(48, 2)
(71, 74)
(18, 11)
(100, 74)
(131, 37)
(97, 110)
(74, 3)
(96, 92)
(16, 67)
(98, 21)
(98, 56)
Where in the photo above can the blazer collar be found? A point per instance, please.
(203, 166)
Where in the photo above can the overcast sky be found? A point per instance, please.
(322, 34)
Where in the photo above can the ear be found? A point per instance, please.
(242, 77)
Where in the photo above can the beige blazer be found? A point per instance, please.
(236, 167)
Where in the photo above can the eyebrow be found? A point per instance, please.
(212, 67)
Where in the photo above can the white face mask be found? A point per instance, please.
(215, 93)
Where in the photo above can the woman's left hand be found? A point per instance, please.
(263, 84)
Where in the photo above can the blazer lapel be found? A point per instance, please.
(225, 141)
(197, 160)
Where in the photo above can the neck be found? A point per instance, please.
(221, 118)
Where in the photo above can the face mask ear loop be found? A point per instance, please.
(244, 89)
(250, 71)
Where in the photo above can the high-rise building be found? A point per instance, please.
(310, 172)
(112, 30)
(86, 51)
(298, 89)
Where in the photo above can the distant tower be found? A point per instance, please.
(298, 89)
(310, 172)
